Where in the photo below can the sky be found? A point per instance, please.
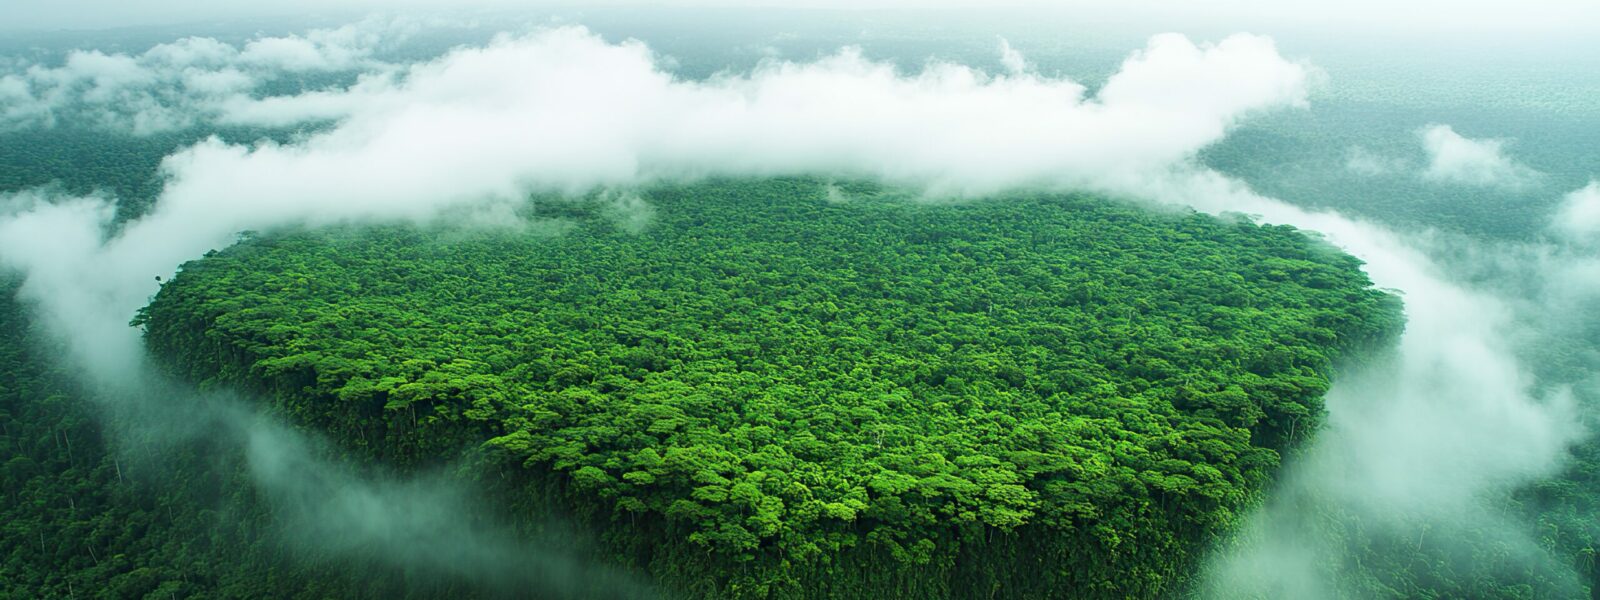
(1357, 17)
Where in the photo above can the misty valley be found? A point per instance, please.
(767, 304)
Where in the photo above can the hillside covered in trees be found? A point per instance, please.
(784, 388)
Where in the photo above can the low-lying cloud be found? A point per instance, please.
(1578, 216)
(1453, 158)
(189, 82)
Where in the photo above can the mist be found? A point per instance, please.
(435, 523)
(1432, 439)
(1421, 441)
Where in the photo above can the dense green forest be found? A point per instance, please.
(83, 516)
(784, 389)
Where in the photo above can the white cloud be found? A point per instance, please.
(1014, 62)
(1578, 217)
(1453, 158)
(580, 112)
(292, 54)
(342, 49)
(180, 84)
(192, 52)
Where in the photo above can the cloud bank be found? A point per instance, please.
(564, 110)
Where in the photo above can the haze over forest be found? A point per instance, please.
(1038, 301)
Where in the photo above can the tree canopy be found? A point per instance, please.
(747, 381)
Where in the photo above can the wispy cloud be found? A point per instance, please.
(1362, 161)
(1013, 60)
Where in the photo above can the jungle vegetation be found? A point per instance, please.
(790, 388)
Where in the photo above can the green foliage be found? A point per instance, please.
(82, 518)
(765, 390)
